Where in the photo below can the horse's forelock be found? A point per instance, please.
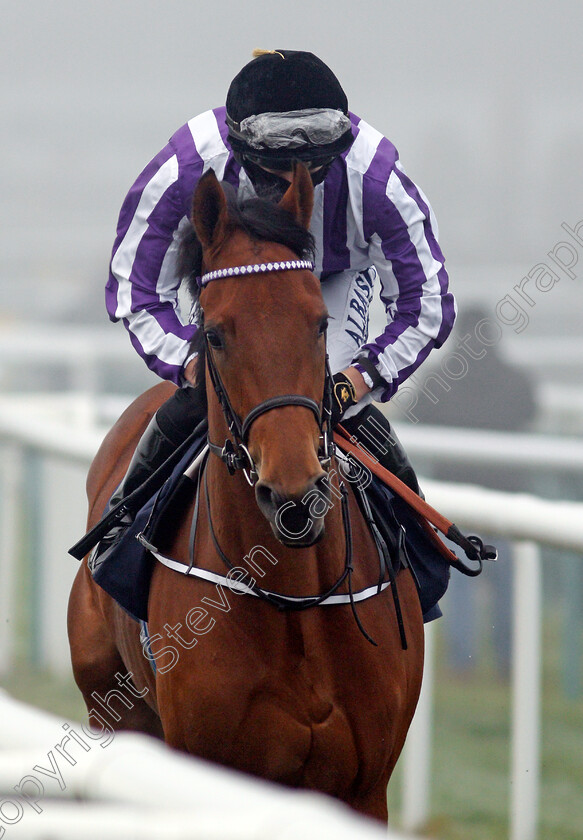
(260, 219)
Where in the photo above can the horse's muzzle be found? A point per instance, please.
(297, 521)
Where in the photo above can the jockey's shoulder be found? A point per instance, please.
(203, 136)
(372, 154)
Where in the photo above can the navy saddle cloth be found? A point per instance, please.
(125, 573)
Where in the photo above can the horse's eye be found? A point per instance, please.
(214, 339)
(323, 326)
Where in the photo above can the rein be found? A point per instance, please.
(284, 603)
(473, 547)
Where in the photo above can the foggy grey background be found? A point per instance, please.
(483, 101)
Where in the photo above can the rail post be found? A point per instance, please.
(526, 688)
(63, 515)
(10, 524)
(417, 751)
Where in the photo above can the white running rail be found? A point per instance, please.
(97, 785)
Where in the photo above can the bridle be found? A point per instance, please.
(234, 452)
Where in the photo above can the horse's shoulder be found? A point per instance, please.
(114, 454)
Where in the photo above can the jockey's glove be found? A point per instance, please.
(343, 396)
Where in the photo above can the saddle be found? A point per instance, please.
(402, 524)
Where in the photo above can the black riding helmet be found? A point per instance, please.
(286, 105)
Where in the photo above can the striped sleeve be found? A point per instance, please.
(400, 228)
(142, 290)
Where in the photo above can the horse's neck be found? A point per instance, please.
(246, 539)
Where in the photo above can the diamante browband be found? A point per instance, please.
(258, 268)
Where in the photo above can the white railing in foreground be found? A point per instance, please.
(67, 450)
(95, 786)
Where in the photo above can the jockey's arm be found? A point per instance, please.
(420, 309)
(142, 290)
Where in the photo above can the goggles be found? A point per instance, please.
(315, 136)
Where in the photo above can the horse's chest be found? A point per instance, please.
(300, 736)
(289, 728)
(301, 714)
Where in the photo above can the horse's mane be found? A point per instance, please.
(262, 221)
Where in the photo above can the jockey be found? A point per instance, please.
(373, 228)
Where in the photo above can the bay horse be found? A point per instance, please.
(296, 696)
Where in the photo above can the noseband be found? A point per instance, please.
(234, 451)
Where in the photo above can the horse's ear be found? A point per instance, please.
(299, 197)
(209, 210)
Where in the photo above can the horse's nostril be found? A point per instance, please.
(265, 496)
(296, 521)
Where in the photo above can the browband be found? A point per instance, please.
(258, 268)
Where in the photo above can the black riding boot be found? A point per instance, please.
(167, 430)
(153, 448)
(373, 431)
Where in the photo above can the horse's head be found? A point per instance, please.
(265, 340)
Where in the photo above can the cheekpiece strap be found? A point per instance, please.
(258, 268)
